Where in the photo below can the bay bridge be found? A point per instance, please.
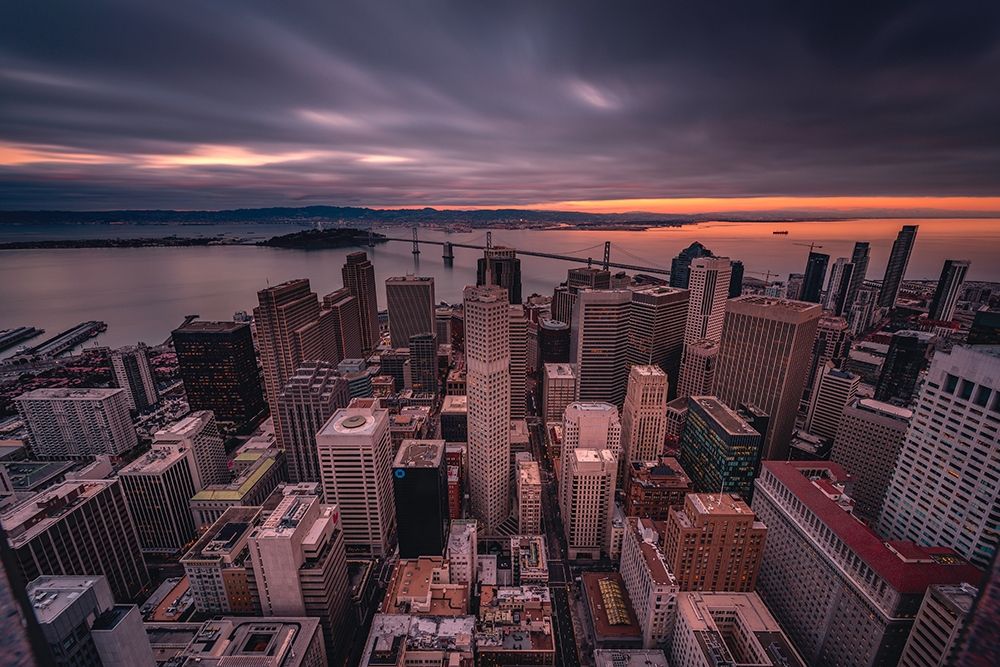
(448, 253)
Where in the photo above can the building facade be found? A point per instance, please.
(158, 487)
(709, 288)
(587, 502)
(410, 300)
(310, 396)
(895, 270)
(130, 366)
(644, 416)
(599, 344)
(359, 279)
(199, 432)
(67, 423)
(651, 586)
(420, 491)
(719, 449)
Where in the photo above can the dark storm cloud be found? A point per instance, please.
(217, 104)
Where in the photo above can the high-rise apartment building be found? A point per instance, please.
(130, 366)
(359, 278)
(938, 625)
(71, 423)
(410, 300)
(500, 266)
(859, 258)
(158, 487)
(895, 270)
(199, 432)
(559, 384)
(843, 595)
(487, 344)
(764, 360)
(714, 629)
(680, 266)
(218, 365)
(719, 449)
(591, 425)
(697, 377)
(833, 391)
(587, 502)
(346, 324)
(867, 444)
(949, 287)
(310, 396)
(656, 327)
(709, 288)
(644, 417)
(812, 282)
(355, 461)
(300, 565)
(943, 490)
(420, 491)
(714, 543)
(553, 341)
(518, 362)
(599, 344)
(218, 566)
(838, 286)
(651, 586)
(908, 356)
(653, 487)
(81, 528)
(529, 498)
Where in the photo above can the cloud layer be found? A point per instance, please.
(193, 104)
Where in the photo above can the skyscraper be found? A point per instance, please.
(558, 390)
(656, 327)
(599, 344)
(949, 286)
(908, 356)
(500, 266)
(838, 286)
(487, 343)
(132, 372)
(938, 625)
(69, 423)
(529, 498)
(591, 425)
(346, 323)
(859, 258)
(730, 559)
(697, 376)
(832, 343)
(199, 432)
(306, 402)
(587, 502)
(680, 265)
(410, 300)
(553, 341)
(158, 487)
(291, 328)
(843, 595)
(355, 460)
(719, 449)
(709, 286)
(833, 392)
(812, 283)
(867, 444)
(764, 360)
(895, 270)
(218, 365)
(359, 277)
(424, 363)
(736, 279)
(518, 362)
(943, 490)
(644, 416)
(420, 490)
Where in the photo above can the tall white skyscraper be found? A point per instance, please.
(709, 285)
(599, 344)
(355, 463)
(591, 425)
(518, 362)
(487, 346)
(587, 502)
(834, 390)
(644, 416)
(944, 490)
(200, 433)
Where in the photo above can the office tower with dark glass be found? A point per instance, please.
(410, 300)
(764, 360)
(218, 365)
(158, 487)
(895, 270)
(133, 373)
(656, 329)
(942, 307)
(420, 488)
(680, 265)
(859, 259)
(424, 363)
(719, 450)
(812, 283)
(359, 277)
(306, 402)
(908, 356)
(736, 279)
(599, 344)
(838, 286)
(553, 341)
(500, 266)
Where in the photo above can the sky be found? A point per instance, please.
(661, 106)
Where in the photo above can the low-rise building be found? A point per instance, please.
(629, 658)
(407, 640)
(275, 641)
(423, 586)
(515, 626)
(611, 615)
(654, 487)
(529, 560)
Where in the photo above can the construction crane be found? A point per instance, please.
(767, 275)
(810, 245)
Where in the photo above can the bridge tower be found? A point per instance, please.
(371, 236)
(448, 254)
(607, 256)
(416, 241)
(489, 239)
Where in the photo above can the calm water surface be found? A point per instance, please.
(143, 293)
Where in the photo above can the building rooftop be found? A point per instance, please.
(529, 473)
(155, 461)
(649, 370)
(203, 326)
(265, 642)
(31, 475)
(225, 535)
(421, 585)
(389, 633)
(647, 533)
(356, 420)
(885, 409)
(664, 470)
(37, 514)
(240, 487)
(52, 595)
(529, 551)
(455, 404)
(562, 371)
(718, 504)
(591, 406)
(189, 426)
(610, 608)
(419, 454)
(905, 566)
(617, 657)
(775, 304)
(69, 394)
(725, 416)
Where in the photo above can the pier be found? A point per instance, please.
(67, 340)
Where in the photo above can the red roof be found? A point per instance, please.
(906, 576)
